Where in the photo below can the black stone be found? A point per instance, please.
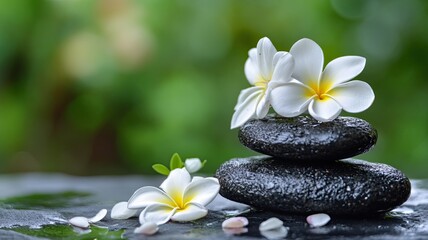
(347, 187)
(305, 139)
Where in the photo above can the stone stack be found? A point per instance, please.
(309, 170)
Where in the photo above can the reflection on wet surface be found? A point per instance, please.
(42, 211)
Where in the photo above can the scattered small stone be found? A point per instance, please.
(271, 224)
(148, 228)
(81, 222)
(318, 220)
(235, 222)
(305, 139)
(84, 222)
(235, 231)
(278, 233)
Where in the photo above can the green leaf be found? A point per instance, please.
(159, 168)
(176, 162)
(203, 163)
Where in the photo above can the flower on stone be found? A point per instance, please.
(179, 198)
(322, 93)
(265, 69)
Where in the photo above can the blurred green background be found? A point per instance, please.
(113, 86)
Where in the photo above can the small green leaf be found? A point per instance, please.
(203, 163)
(176, 162)
(159, 168)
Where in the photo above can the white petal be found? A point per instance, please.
(343, 69)
(192, 211)
(175, 184)
(202, 191)
(263, 106)
(146, 196)
(99, 216)
(318, 220)
(278, 233)
(252, 54)
(244, 94)
(283, 69)
(81, 222)
(309, 60)
(197, 178)
(157, 213)
(265, 54)
(270, 224)
(148, 228)
(246, 110)
(278, 56)
(193, 164)
(291, 99)
(354, 96)
(121, 211)
(235, 222)
(324, 110)
(251, 67)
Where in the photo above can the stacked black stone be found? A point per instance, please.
(309, 169)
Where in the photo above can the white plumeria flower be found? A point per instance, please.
(265, 69)
(193, 164)
(323, 93)
(179, 199)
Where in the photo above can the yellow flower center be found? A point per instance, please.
(178, 199)
(262, 83)
(320, 90)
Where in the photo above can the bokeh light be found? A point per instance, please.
(114, 86)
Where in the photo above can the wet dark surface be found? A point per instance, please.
(347, 187)
(305, 139)
(37, 206)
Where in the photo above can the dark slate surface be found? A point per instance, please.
(408, 222)
(305, 139)
(347, 187)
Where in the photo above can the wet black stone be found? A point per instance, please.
(347, 187)
(305, 139)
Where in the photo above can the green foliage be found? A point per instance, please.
(67, 232)
(161, 169)
(45, 200)
(87, 87)
(175, 162)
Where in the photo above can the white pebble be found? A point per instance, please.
(318, 220)
(99, 216)
(270, 224)
(235, 222)
(278, 233)
(148, 228)
(81, 222)
(235, 231)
